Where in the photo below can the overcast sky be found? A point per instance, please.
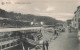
(59, 9)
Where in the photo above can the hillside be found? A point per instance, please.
(28, 17)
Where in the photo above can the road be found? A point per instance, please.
(65, 41)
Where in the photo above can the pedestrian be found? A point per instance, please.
(69, 29)
(47, 44)
(56, 32)
(43, 46)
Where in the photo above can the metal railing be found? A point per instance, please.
(9, 38)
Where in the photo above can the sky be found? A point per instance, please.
(58, 9)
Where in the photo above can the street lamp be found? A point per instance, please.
(32, 23)
(41, 23)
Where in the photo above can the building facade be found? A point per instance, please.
(76, 19)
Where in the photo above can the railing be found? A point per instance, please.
(7, 39)
(6, 43)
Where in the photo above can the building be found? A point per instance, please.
(69, 22)
(76, 19)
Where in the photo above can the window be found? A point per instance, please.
(75, 19)
(7, 45)
(3, 46)
(75, 24)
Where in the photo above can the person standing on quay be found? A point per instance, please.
(43, 46)
(47, 44)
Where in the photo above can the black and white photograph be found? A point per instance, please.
(39, 24)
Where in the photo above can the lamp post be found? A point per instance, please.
(41, 23)
(32, 23)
